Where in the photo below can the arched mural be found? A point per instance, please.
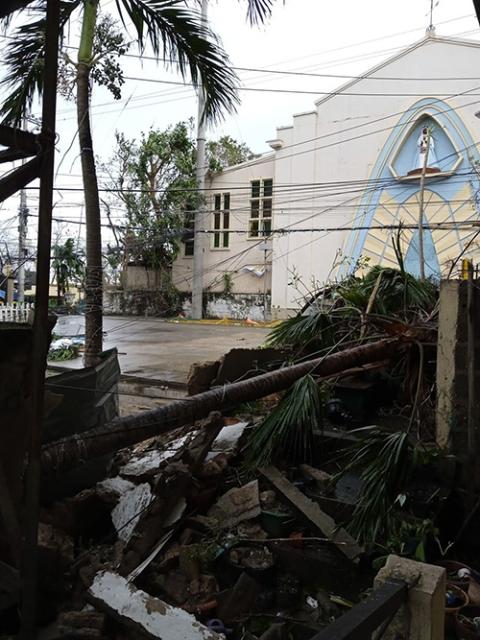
(392, 195)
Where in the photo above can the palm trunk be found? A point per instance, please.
(93, 272)
(129, 430)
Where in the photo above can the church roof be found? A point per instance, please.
(429, 38)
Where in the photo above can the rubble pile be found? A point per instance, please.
(267, 520)
(181, 541)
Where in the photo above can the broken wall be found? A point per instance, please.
(452, 365)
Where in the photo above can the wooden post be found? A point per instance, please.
(10, 283)
(471, 439)
(40, 325)
(421, 256)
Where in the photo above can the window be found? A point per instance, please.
(188, 237)
(261, 208)
(221, 220)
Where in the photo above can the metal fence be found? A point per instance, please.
(16, 312)
(372, 616)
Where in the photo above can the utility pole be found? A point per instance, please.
(421, 208)
(199, 236)
(22, 237)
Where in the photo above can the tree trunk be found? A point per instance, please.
(93, 271)
(129, 430)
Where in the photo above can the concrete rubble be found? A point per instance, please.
(185, 538)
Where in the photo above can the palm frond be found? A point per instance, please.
(258, 11)
(24, 55)
(385, 462)
(178, 34)
(300, 331)
(288, 430)
(398, 292)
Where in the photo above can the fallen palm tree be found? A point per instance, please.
(127, 431)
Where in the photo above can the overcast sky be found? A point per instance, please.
(344, 37)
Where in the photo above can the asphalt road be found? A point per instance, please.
(157, 349)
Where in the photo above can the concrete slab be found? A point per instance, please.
(157, 349)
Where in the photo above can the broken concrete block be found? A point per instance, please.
(321, 478)
(239, 600)
(117, 485)
(201, 376)
(236, 505)
(91, 620)
(130, 507)
(422, 616)
(150, 462)
(143, 613)
(228, 439)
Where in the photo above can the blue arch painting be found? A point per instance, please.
(455, 151)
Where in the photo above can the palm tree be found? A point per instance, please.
(67, 265)
(175, 32)
(128, 430)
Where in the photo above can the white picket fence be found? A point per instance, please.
(16, 311)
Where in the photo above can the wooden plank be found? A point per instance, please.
(10, 155)
(367, 616)
(8, 516)
(19, 178)
(19, 139)
(310, 512)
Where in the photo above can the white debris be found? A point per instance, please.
(149, 615)
(129, 509)
(116, 485)
(227, 440)
(152, 460)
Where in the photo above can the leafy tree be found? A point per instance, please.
(175, 31)
(154, 180)
(68, 267)
(226, 152)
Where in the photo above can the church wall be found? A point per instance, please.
(218, 261)
(311, 254)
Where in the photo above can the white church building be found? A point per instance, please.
(341, 178)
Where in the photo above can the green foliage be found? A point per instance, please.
(69, 352)
(398, 293)
(68, 265)
(385, 462)
(24, 66)
(226, 152)
(174, 31)
(303, 330)
(154, 179)
(288, 429)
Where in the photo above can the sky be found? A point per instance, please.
(341, 38)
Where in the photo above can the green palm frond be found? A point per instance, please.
(385, 462)
(177, 33)
(24, 55)
(300, 331)
(398, 291)
(288, 429)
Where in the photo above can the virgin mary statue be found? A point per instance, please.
(425, 142)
